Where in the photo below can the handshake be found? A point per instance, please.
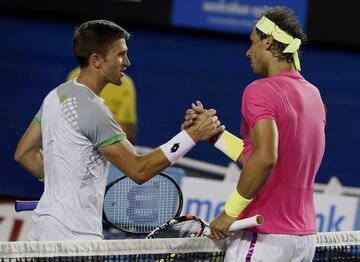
(202, 124)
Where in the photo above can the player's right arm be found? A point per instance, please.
(226, 142)
(141, 168)
(28, 152)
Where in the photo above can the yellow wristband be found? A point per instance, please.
(236, 204)
(42, 179)
(230, 145)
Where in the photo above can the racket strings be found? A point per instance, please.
(188, 228)
(141, 208)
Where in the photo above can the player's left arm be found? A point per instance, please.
(254, 175)
(259, 166)
(28, 152)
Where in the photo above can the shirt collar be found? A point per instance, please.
(292, 74)
(98, 97)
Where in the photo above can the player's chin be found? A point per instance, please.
(117, 81)
(254, 68)
(257, 72)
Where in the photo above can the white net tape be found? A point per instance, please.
(108, 247)
(344, 238)
(24, 249)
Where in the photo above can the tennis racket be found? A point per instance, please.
(139, 209)
(134, 208)
(193, 226)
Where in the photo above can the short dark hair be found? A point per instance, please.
(95, 36)
(284, 18)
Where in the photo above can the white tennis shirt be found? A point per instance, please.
(74, 123)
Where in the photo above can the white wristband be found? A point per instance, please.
(177, 147)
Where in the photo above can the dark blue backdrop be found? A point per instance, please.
(170, 72)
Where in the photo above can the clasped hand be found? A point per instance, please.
(202, 123)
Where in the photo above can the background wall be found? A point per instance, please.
(171, 70)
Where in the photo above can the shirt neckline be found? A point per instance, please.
(79, 84)
(293, 74)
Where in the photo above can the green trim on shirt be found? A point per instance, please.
(62, 98)
(112, 140)
(37, 121)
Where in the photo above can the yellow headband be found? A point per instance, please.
(270, 28)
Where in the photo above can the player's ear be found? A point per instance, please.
(95, 60)
(268, 41)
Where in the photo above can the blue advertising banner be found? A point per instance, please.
(235, 16)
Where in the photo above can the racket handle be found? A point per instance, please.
(25, 205)
(253, 221)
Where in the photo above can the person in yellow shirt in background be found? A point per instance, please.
(121, 100)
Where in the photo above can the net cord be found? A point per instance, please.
(24, 249)
(343, 238)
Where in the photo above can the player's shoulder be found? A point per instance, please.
(258, 85)
(259, 90)
(84, 98)
(72, 89)
(57, 90)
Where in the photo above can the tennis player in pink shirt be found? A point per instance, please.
(283, 123)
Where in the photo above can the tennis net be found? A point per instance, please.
(339, 246)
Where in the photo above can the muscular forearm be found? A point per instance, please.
(142, 168)
(139, 168)
(28, 152)
(33, 162)
(254, 175)
(149, 165)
